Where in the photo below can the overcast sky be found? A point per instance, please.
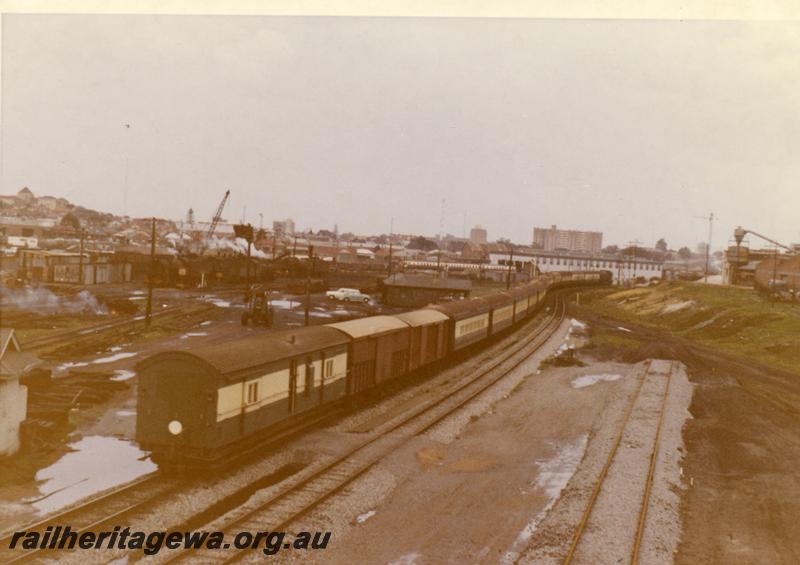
(631, 128)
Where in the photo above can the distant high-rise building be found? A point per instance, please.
(477, 235)
(552, 238)
(283, 228)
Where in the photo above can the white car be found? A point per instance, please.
(347, 295)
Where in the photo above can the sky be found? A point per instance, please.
(630, 127)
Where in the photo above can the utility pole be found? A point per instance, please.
(148, 314)
(634, 243)
(80, 259)
(390, 259)
(510, 264)
(308, 282)
(774, 274)
(710, 219)
(294, 247)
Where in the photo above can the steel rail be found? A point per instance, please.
(650, 474)
(587, 512)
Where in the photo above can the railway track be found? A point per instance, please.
(108, 509)
(63, 338)
(640, 432)
(301, 497)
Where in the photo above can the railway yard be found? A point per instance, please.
(552, 444)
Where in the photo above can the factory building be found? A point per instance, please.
(553, 239)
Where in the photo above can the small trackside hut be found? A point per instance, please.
(378, 350)
(196, 404)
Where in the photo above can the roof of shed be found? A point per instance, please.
(427, 281)
(422, 317)
(372, 325)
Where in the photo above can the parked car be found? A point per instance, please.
(347, 295)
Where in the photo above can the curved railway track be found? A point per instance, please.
(298, 499)
(651, 381)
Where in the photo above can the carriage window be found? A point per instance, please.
(252, 393)
(328, 369)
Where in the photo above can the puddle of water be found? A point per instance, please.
(97, 463)
(206, 323)
(577, 324)
(365, 516)
(554, 474)
(193, 334)
(407, 559)
(115, 357)
(289, 304)
(217, 301)
(58, 369)
(589, 380)
(123, 375)
(620, 328)
(125, 413)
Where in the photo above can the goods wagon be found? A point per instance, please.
(428, 336)
(377, 352)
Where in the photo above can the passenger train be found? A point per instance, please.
(203, 404)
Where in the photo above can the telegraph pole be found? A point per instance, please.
(774, 274)
(148, 314)
(80, 259)
(710, 219)
(510, 263)
(634, 243)
(308, 282)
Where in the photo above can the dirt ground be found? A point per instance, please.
(743, 453)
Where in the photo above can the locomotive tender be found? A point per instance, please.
(208, 402)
